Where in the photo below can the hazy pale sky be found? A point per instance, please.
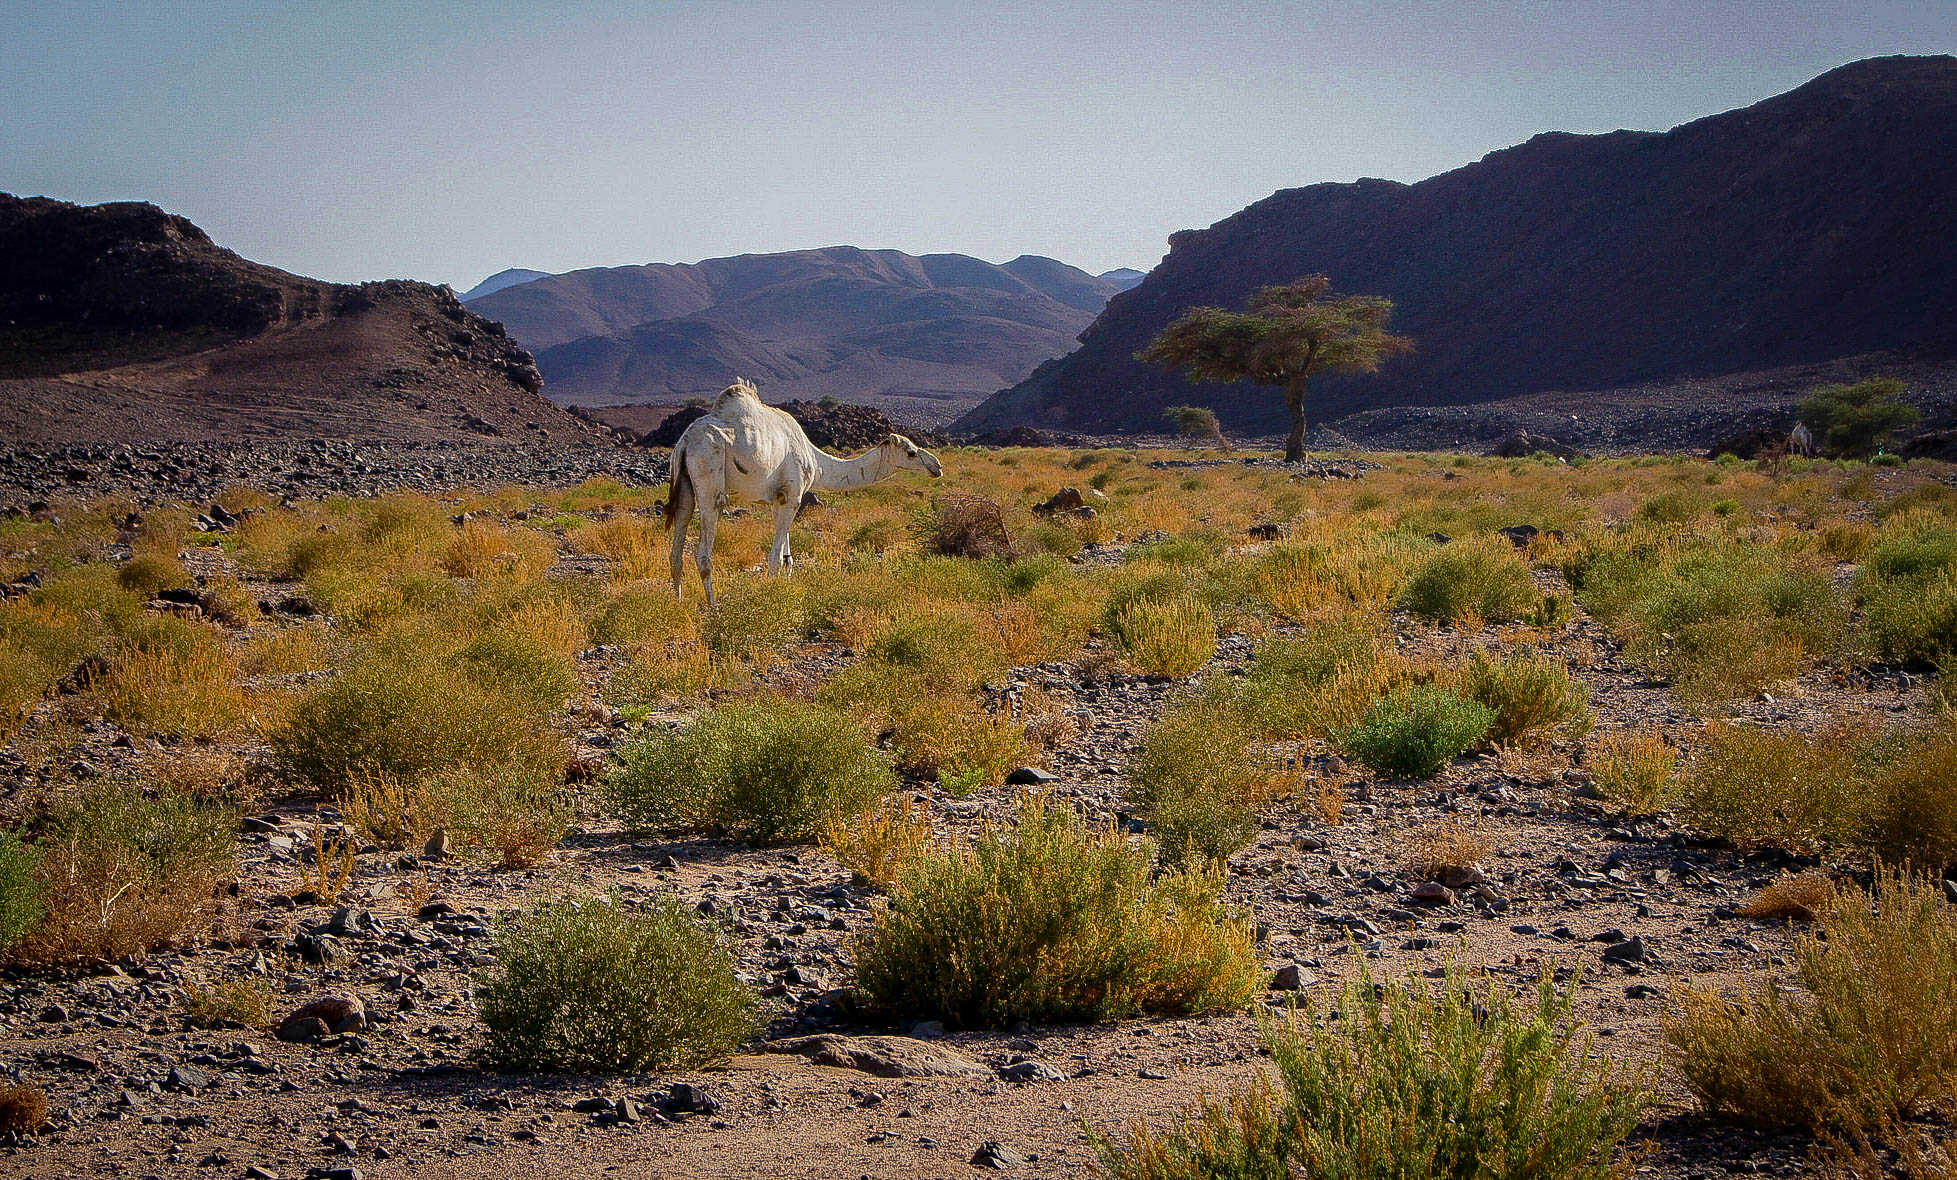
(444, 141)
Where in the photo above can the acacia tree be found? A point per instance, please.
(1284, 335)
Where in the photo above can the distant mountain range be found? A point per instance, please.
(502, 279)
(1817, 225)
(124, 323)
(1124, 278)
(923, 338)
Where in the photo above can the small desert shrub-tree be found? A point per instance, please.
(1464, 580)
(1053, 921)
(1317, 684)
(1195, 423)
(585, 986)
(1198, 783)
(1874, 1036)
(122, 872)
(879, 844)
(1531, 694)
(1856, 419)
(767, 770)
(1805, 793)
(1465, 1082)
(1413, 731)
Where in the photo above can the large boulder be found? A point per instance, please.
(886, 1057)
(1524, 443)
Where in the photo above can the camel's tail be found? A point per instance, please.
(679, 480)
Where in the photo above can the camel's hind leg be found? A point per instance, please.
(682, 517)
(780, 560)
(709, 524)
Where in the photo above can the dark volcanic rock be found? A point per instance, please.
(180, 338)
(1812, 226)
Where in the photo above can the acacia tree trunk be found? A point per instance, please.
(1294, 396)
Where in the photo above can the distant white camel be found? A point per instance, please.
(746, 450)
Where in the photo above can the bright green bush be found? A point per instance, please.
(1487, 581)
(1413, 732)
(1908, 587)
(21, 905)
(767, 770)
(586, 986)
(1465, 1083)
(1053, 921)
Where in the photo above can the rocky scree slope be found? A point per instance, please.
(122, 322)
(1817, 225)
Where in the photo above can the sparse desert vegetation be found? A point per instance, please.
(1119, 785)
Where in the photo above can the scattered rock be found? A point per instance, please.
(1064, 500)
(885, 1057)
(1030, 776)
(336, 1014)
(997, 1156)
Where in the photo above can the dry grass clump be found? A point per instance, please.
(880, 844)
(229, 1003)
(769, 770)
(189, 695)
(1797, 897)
(753, 618)
(1466, 1083)
(1447, 849)
(1199, 783)
(1908, 588)
(1871, 1037)
(407, 711)
(1318, 682)
(1532, 695)
(1170, 637)
(967, 747)
(1638, 772)
(1914, 819)
(583, 985)
(963, 524)
(1806, 794)
(513, 815)
(1471, 581)
(1720, 617)
(23, 1109)
(1053, 921)
(1412, 732)
(121, 872)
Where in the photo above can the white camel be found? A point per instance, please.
(746, 450)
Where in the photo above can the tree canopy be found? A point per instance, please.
(1283, 336)
(1856, 419)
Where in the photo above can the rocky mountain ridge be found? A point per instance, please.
(924, 337)
(1817, 225)
(124, 323)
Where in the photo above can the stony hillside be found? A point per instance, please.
(124, 323)
(1817, 225)
(923, 337)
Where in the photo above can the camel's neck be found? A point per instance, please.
(833, 474)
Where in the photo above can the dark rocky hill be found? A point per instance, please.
(922, 337)
(1817, 225)
(122, 322)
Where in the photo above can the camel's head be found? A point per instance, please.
(908, 455)
(740, 386)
